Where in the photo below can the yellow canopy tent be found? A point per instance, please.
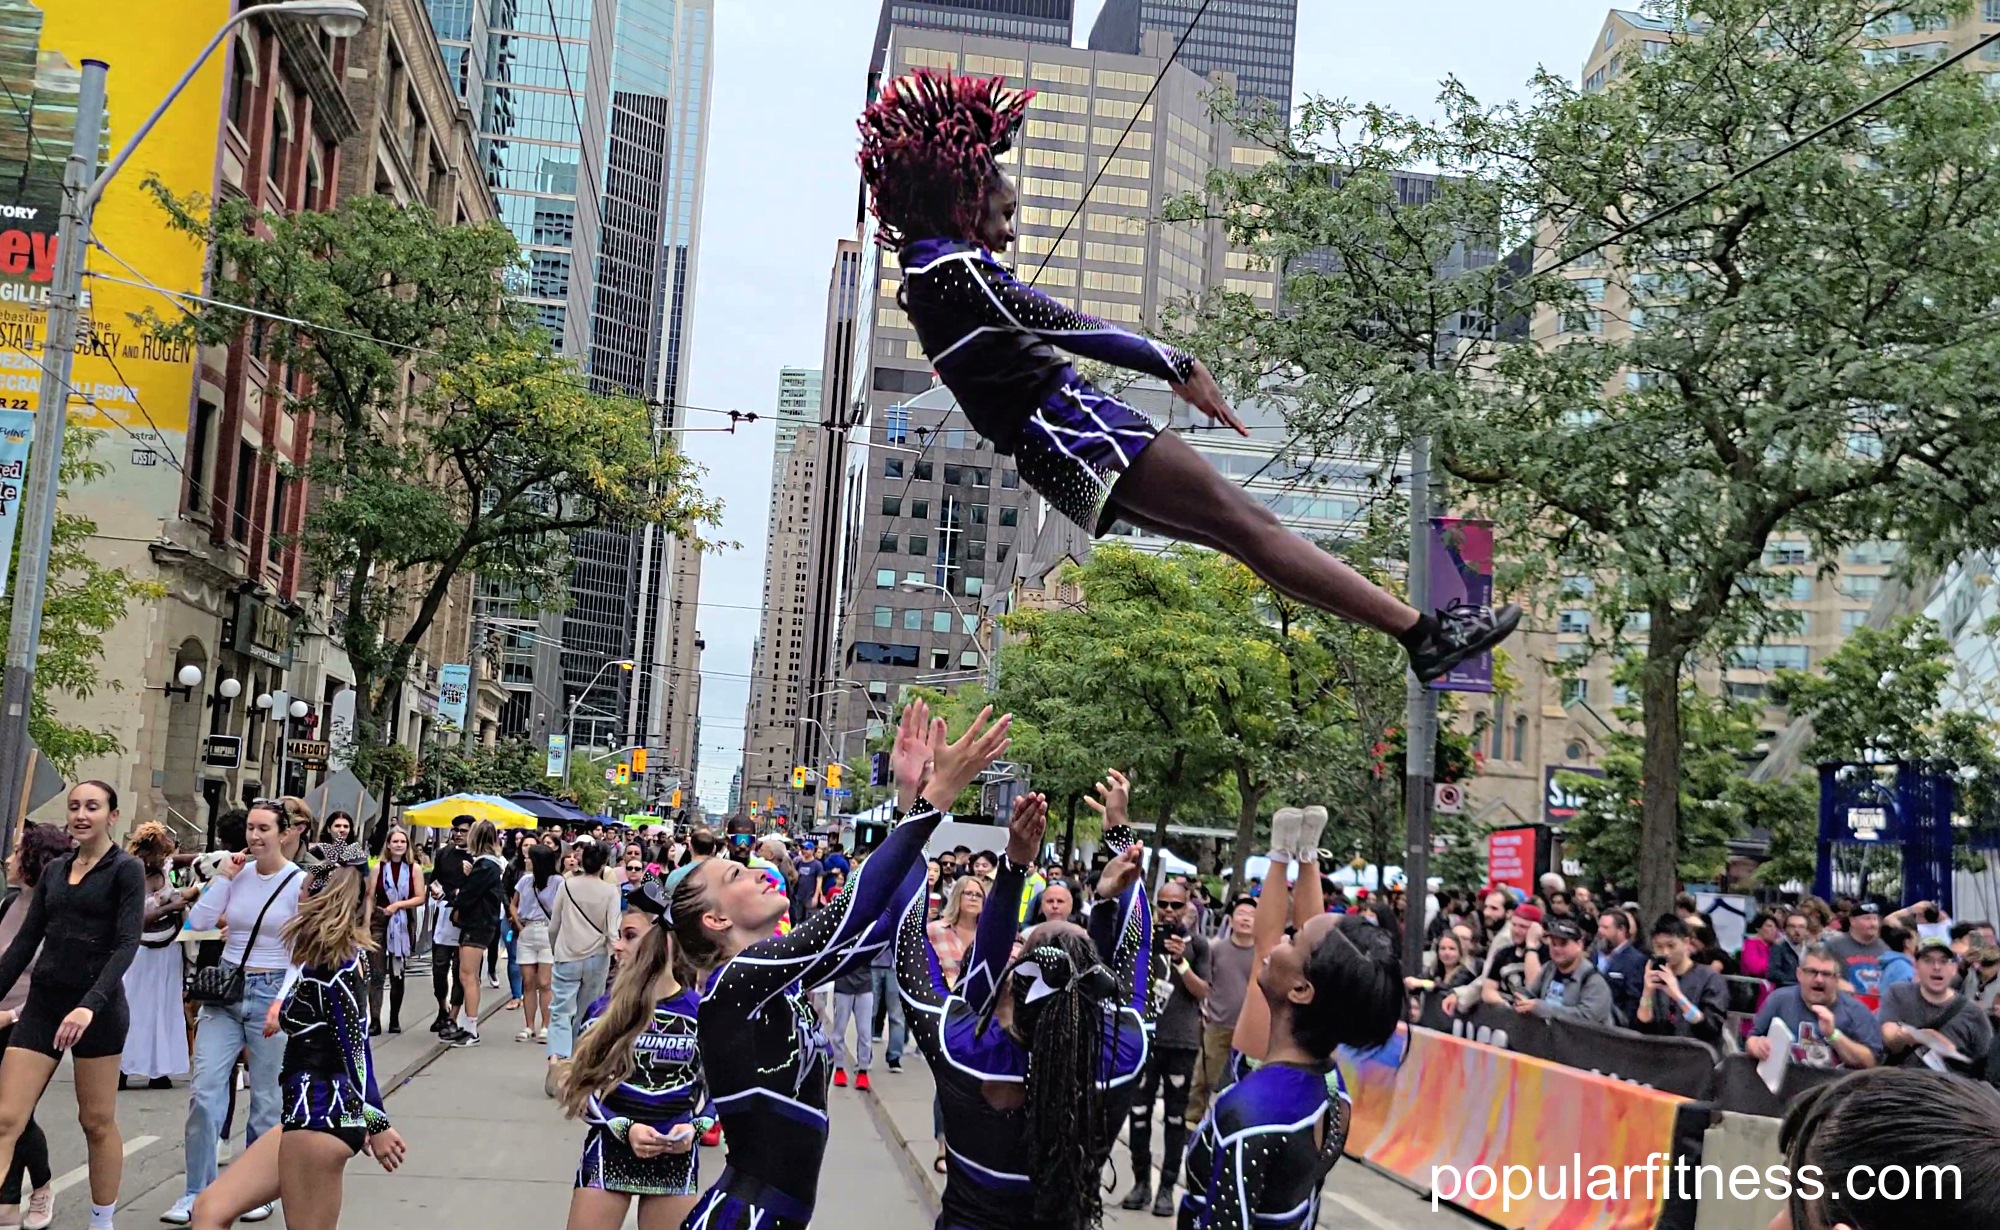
(439, 813)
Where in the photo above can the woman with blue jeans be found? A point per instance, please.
(581, 927)
(258, 882)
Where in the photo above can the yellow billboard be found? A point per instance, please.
(123, 382)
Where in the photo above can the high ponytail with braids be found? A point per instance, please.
(928, 146)
(1064, 1010)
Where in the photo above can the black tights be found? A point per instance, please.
(1169, 1072)
(1174, 491)
(375, 980)
(31, 1152)
(444, 976)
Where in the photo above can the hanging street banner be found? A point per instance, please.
(1462, 575)
(558, 756)
(454, 688)
(125, 383)
(17, 428)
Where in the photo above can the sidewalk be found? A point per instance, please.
(486, 1149)
(1356, 1197)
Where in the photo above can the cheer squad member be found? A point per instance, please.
(1883, 1120)
(333, 1109)
(40, 845)
(928, 146)
(1036, 1062)
(1261, 1154)
(763, 1051)
(84, 917)
(636, 1080)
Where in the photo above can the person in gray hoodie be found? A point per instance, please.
(1570, 987)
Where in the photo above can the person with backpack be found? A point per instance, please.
(581, 927)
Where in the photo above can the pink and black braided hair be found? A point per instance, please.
(927, 150)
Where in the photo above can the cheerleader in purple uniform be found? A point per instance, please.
(928, 146)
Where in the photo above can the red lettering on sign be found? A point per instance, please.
(14, 250)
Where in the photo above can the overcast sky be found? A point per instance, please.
(782, 189)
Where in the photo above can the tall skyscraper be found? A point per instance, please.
(593, 118)
(1255, 39)
(1033, 21)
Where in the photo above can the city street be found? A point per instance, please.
(486, 1149)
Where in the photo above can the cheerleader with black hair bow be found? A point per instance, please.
(1036, 1062)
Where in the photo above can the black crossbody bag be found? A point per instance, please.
(223, 984)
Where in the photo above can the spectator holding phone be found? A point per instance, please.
(1681, 999)
(1829, 1027)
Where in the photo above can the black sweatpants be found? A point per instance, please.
(444, 974)
(1168, 1075)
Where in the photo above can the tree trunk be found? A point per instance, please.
(1660, 799)
(1251, 796)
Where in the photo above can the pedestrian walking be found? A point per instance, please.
(396, 885)
(476, 912)
(81, 933)
(530, 904)
(40, 845)
(448, 871)
(253, 896)
(581, 925)
(156, 1046)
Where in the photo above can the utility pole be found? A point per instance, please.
(38, 503)
(1420, 761)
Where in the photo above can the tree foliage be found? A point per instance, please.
(1718, 801)
(1813, 345)
(85, 599)
(448, 438)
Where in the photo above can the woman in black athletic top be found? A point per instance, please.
(1036, 1062)
(762, 1048)
(85, 917)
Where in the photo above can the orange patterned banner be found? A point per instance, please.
(1519, 1141)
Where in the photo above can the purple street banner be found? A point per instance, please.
(1462, 575)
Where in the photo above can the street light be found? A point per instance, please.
(83, 186)
(186, 680)
(569, 722)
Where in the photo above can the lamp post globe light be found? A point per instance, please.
(229, 689)
(83, 187)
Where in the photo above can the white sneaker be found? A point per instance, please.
(261, 1213)
(180, 1213)
(41, 1209)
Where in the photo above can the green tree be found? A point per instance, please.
(447, 766)
(1813, 340)
(1718, 801)
(448, 439)
(85, 600)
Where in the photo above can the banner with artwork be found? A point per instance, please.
(1592, 1145)
(454, 689)
(17, 428)
(1462, 575)
(125, 383)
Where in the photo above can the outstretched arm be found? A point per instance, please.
(1274, 914)
(993, 942)
(1012, 303)
(1121, 925)
(857, 924)
(347, 1002)
(920, 977)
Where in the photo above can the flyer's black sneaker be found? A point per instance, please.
(1456, 633)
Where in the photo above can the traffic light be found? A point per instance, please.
(798, 777)
(638, 760)
(878, 769)
(676, 800)
(624, 775)
(833, 776)
(753, 807)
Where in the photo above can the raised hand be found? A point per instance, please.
(1024, 831)
(1114, 798)
(910, 761)
(1119, 873)
(956, 764)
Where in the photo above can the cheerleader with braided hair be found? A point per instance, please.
(941, 201)
(1036, 1061)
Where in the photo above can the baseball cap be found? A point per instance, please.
(1868, 907)
(1531, 913)
(1935, 943)
(1565, 929)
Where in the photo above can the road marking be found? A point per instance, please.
(1363, 1212)
(63, 1183)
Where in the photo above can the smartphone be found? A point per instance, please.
(1657, 962)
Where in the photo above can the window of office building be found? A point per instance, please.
(920, 509)
(885, 578)
(919, 544)
(884, 617)
(913, 620)
(888, 542)
(892, 467)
